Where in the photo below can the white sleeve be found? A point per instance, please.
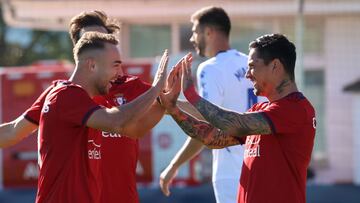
(209, 82)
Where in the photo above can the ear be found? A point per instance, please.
(208, 30)
(276, 64)
(90, 63)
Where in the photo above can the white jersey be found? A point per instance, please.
(221, 80)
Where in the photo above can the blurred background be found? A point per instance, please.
(36, 49)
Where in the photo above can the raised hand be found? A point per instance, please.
(173, 87)
(159, 79)
(186, 79)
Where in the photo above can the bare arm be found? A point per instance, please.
(147, 121)
(190, 109)
(202, 131)
(233, 123)
(117, 119)
(14, 131)
(197, 129)
(238, 124)
(190, 149)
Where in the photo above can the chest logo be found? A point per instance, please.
(120, 100)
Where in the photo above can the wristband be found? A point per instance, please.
(191, 95)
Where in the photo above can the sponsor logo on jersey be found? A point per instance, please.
(45, 108)
(110, 135)
(252, 147)
(119, 99)
(94, 151)
(252, 152)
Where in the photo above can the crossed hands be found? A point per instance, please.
(179, 79)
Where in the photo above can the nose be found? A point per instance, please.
(192, 40)
(247, 74)
(120, 71)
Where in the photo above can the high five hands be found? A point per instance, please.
(179, 79)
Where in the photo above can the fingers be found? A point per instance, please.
(161, 71)
(178, 64)
(164, 185)
(164, 60)
(171, 78)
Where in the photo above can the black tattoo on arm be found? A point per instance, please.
(234, 123)
(203, 131)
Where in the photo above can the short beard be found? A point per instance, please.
(256, 92)
(201, 47)
(102, 90)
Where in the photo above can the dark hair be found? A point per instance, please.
(92, 41)
(276, 46)
(91, 18)
(213, 16)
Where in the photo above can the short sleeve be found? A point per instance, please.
(75, 105)
(209, 84)
(284, 117)
(32, 114)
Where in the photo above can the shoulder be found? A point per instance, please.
(259, 106)
(241, 55)
(67, 88)
(208, 71)
(293, 104)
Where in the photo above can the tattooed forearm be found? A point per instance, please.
(237, 124)
(202, 131)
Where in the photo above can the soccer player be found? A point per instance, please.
(278, 135)
(67, 113)
(220, 80)
(119, 152)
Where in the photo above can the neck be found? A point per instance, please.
(218, 45)
(79, 78)
(284, 88)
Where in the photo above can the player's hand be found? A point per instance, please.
(160, 76)
(173, 87)
(186, 79)
(166, 177)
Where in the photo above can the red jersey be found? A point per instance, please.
(63, 144)
(120, 153)
(274, 168)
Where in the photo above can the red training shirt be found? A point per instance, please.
(120, 153)
(63, 144)
(274, 168)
